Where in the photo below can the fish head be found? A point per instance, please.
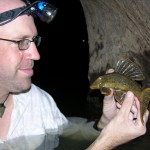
(96, 84)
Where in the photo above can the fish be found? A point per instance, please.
(126, 77)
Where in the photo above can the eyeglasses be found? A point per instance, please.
(24, 44)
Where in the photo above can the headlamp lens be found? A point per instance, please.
(46, 12)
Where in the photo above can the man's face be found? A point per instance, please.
(16, 67)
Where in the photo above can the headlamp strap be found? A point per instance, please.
(7, 15)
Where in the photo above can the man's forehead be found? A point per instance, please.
(20, 27)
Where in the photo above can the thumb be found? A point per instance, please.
(127, 103)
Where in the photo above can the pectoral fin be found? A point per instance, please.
(119, 96)
(105, 90)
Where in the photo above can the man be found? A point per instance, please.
(18, 52)
(28, 110)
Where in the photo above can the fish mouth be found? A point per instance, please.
(96, 84)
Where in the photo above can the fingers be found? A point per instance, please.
(118, 105)
(131, 108)
(109, 96)
(109, 71)
(138, 110)
(127, 104)
(134, 110)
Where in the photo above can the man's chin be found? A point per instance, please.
(23, 87)
(22, 90)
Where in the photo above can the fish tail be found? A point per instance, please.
(145, 99)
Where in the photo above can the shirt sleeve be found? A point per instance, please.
(53, 120)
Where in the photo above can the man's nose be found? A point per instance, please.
(32, 52)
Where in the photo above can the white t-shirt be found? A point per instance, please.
(36, 123)
(35, 112)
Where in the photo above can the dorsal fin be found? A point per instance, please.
(130, 69)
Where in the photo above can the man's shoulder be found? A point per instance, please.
(37, 92)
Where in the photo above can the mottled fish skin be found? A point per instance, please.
(121, 83)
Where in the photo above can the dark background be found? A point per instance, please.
(63, 68)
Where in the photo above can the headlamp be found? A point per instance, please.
(45, 11)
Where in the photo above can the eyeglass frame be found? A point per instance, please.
(28, 41)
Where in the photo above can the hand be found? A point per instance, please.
(110, 108)
(122, 128)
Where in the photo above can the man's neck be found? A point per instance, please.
(5, 119)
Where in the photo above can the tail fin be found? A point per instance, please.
(145, 99)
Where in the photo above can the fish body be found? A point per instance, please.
(123, 81)
(116, 81)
